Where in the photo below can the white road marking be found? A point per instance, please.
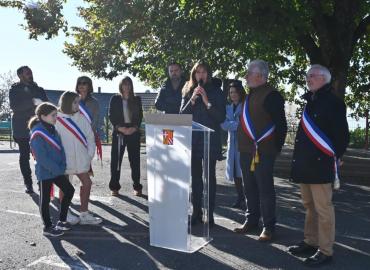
(67, 263)
(20, 213)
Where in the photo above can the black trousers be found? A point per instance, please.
(259, 190)
(132, 142)
(197, 185)
(63, 183)
(24, 160)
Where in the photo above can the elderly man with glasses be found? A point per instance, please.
(261, 135)
(321, 141)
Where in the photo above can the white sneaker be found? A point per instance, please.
(72, 219)
(86, 218)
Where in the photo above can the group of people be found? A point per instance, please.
(63, 141)
(257, 128)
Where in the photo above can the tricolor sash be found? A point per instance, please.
(321, 141)
(47, 137)
(85, 112)
(249, 130)
(71, 126)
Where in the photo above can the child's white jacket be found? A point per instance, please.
(78, 156)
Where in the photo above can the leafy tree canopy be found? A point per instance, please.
(143, 36)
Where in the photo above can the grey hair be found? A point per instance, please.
(262, 66)
(323, 71)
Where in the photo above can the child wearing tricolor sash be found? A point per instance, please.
(79, 144)
(50, 166)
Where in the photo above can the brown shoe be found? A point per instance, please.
(265, 236)
(115, 193)
(138, 193)
(245, 228)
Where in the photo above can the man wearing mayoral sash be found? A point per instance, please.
(261, 135)
(321, 141)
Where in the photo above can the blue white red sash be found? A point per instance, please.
(85, 112)
(47, 137)
(248, 129)
(319, 139)
(70, 125)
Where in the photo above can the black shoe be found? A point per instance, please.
(29, 189)
(52, 232)
(302, 248)
(63, 226)
(318, 259)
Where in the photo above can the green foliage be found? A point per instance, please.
(357, 138)
(44, 18)
(143, 36)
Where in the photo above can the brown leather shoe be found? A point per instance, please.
(114, 193)
(265, 236)
(138, 193)
(245, 228)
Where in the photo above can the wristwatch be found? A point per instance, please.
(209, 105)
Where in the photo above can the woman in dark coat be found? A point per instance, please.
(206, 103)
(125, 114)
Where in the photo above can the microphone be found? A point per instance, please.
(201, 83)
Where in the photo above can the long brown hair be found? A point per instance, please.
(192, 83)
(239, 89)
(44, 109)
(131, 96)
(66, 100)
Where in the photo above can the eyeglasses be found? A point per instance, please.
(249, 73)
(310, 76)
(83, 83)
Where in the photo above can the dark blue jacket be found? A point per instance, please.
(20, 99)
(310, 165)
(50, 162)
(211, 118)
(169, 99)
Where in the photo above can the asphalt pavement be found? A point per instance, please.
(122, 240)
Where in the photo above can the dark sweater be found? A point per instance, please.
(20, 99)
(310, 165)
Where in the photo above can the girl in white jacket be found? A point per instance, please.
(79, 144)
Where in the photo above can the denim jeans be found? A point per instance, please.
(259, 190)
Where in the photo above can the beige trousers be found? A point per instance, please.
(319, 227)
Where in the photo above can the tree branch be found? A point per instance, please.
(312, 50)
(361, 29)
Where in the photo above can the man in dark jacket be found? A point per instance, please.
(261, 135)
(24, 96)
(169, 97)
(321, 141)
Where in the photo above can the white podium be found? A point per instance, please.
(168, 147)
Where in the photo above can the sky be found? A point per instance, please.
(52, 69)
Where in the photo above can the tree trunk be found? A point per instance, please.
(367, 130)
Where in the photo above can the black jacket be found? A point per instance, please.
(211, 118)
(116, 112)
(20, 99)
(310, 165)
(169, 99)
